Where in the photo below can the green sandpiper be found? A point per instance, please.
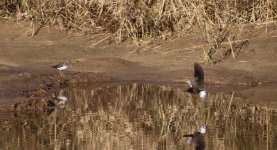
(197, 86)
(61, 66)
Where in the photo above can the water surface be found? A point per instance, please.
(147, 116)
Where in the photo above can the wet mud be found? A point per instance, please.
(36, 99)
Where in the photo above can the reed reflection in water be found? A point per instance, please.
(142, 116)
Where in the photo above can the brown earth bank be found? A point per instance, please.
(26, 73)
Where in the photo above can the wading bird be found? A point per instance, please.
(61, 66)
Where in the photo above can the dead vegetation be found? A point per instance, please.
(147, 19)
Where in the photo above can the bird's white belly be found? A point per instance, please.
(62, 98)
(203, 94)
(63, 68)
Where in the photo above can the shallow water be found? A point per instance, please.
(147, 116)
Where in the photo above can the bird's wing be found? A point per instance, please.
(55, 66)
(58, 65)
(198, 74)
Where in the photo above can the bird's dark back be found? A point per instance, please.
(55, 66)
(61, 64)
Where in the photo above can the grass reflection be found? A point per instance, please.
(142, 116)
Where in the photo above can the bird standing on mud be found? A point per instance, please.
(197, 86)
(198, 138)
(61, 66)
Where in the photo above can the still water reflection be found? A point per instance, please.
(143, 116)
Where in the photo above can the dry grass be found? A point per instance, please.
(147, 19)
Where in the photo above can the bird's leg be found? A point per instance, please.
(60, 72)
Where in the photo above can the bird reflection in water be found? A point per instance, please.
(197, 138)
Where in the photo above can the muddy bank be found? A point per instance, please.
(36, 98)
